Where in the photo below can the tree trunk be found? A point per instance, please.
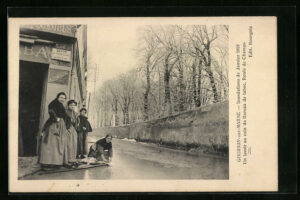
(225, 91)
(127, 115)
(159, 96)
(204, 99)
(223, 85)
(146, 116)
(167, 88)
(198, 103)
(105, 117)
(116, 113)
(167, 85)
(211, 77)
(194, 84)
(99, 117)
(124, 117)
(181, 89)
(146, 94)
(213, 85)
(175, 98)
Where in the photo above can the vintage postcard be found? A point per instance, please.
(142, 104)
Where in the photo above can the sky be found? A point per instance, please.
(111, 42)
(111, 46)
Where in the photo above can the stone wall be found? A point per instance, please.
(204, 129)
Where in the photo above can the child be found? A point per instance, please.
(82, 131)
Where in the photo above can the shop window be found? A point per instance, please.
(59, 76)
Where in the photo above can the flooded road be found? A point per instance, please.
(133, 160)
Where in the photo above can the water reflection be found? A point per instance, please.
(140, 161)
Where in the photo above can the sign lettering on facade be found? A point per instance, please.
(68, 30)
(61, 54)
(43, 54)
(35, 53)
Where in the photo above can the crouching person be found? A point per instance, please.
(102, 149)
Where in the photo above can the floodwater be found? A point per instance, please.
(134, 160)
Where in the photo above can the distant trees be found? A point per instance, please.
(149, 58)
(180, 68)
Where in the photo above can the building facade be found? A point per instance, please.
(52, 59)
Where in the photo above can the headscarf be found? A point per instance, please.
(58, 108)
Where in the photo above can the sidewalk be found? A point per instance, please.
(27, 165)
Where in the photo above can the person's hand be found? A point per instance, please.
(58, 119)
(83, 128)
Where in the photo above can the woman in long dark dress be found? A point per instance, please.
(54, 134)
(72, 124)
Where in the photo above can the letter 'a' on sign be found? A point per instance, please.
(61, 54)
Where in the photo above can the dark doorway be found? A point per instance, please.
(31, 90)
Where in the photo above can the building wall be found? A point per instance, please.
(82, 59)
(64, 50)
(75, 89)
(55, 86)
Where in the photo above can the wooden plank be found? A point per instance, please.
(63, 169)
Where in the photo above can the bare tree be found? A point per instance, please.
(178, 43)
(113, 89)
(127, 90)
(201, 39)
(220, 63)
(149, 59)
(179, 68)
(194, 74)
(165, 37)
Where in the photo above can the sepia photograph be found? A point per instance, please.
(142, 104)
(148, 103)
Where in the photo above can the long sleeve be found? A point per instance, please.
(88, 126)
(52, 114)
(55, 110)
(52, 110)
(83, 122)
(76, 120)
